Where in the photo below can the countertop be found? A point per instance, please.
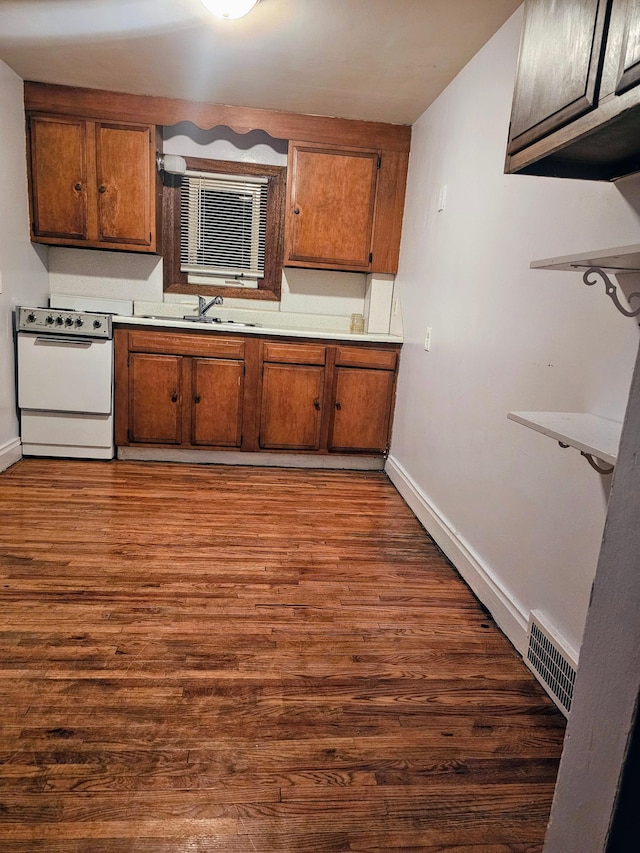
(238, 328)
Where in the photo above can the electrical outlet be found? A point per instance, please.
(427, 339)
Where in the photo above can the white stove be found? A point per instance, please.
(65, 382)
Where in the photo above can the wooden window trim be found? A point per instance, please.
(269, 287)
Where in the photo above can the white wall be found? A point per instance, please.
(521, 518)
(22, 271)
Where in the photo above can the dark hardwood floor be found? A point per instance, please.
(201, 658)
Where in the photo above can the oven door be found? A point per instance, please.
(65, 374)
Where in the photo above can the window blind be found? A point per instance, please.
(223, 225)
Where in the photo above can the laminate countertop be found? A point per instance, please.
(241, 328)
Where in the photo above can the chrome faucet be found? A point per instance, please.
(203, 305)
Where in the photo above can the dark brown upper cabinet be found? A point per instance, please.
(576, 106)
(93, 183)
(561, 42)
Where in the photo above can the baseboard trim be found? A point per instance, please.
(231, 457)
(10, 453)
(507, 613)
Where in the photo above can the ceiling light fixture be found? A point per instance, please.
(229, 8)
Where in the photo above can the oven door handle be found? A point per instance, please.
(53, 340)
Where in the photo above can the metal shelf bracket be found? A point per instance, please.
(597, 464)
(610, 290)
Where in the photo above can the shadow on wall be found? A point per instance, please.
(241, 141)
(629, 189)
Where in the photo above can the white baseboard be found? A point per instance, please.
(10, 453)
(496, 598)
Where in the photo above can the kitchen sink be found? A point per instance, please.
(219, 321)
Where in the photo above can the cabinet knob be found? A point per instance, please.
(174, 397)
(338, 406)
(196, 399)
(77, 187)
(316, 404)
(296, 210)
(102, 189)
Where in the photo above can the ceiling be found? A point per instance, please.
(381, 60)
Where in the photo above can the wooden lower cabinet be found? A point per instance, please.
(292, 391)
(217, 393)
(291, 406)
(206, 390)
(361, 410)
(179, 390)
(155, 398)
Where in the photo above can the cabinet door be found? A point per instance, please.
(155, 397)
(629, 67)
(124, 183)
(216, 401)
(58, 177)
(291, 406)
(362, 409)
(331, 205)
(560, 59)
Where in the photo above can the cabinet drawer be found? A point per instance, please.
(205, 345)
(294, 353)
(363, 357)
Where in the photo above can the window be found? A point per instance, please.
(223, 225)
(223, 229)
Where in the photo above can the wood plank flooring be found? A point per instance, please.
(248, 660)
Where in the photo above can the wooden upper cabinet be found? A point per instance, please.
(344, 207)
(125, 183)
(93, 184)
(560, 56)
(331, 206)
(58, 178)
(576, 107)
(629, 64)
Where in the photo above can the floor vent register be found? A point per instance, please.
(552, 664)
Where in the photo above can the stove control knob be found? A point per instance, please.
(31, 318)
(49, 320)
(68, 321)
(97, 324)
(59, 320)
(79, 322)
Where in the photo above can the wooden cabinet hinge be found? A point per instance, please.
(370, 257)
(379, 162)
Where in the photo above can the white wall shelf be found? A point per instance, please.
(593, 436)
(594, 265)
(622, 259)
